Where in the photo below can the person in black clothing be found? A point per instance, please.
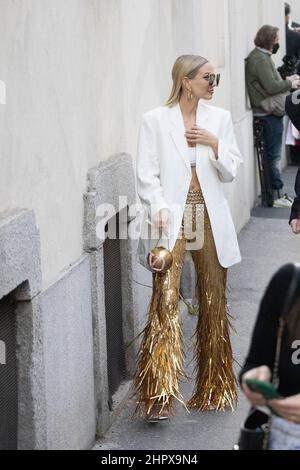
(292, 36)
(295, 212)
(288, 10)
(293, 111)
(292, 107)
(292, 43)
(261, 356)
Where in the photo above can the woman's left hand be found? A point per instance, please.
(196, 136)
(288, 408)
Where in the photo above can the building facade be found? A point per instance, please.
(75, 78)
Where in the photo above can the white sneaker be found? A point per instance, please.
(283, 202)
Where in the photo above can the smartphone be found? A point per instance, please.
(266, 389)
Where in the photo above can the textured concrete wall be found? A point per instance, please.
(80, 73)
(32, 421)
(105, 183)
(20, 274)
(19, 253)
(69, 359)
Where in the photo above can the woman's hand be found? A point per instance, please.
(262, 373)
(288, 408)
(295, 225)
(162, 221)
(196, 135)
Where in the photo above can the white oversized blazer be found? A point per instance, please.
(163, 174)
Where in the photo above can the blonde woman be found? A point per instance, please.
(186, 151)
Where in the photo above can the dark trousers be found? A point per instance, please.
(273, 133)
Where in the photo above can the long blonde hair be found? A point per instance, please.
(185, 66)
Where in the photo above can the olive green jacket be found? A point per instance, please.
(262, 79)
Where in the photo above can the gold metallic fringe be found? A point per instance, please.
(161, 358)
(216, 385)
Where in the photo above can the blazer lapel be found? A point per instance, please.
(177, 133)
(202, 118)
(178, 130)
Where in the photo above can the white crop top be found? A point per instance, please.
(192, 155)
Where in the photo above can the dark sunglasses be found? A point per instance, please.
(212, 78)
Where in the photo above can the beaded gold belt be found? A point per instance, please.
(194, 213)
(195, 197)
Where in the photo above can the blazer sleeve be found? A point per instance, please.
(149, 187)
(229, 157)
(295, 212)
(292, 107)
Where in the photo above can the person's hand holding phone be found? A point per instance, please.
(262, 373)
(296, 85)
(293, 78)
(288, 408)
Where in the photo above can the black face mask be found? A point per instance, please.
(276, 48)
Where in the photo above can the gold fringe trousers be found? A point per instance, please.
(161, 358)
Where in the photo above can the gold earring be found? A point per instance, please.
(190, 95)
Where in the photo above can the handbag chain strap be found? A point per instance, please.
(276, 379)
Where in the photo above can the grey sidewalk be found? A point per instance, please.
(266, 244)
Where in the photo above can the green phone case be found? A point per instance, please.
(266, 389)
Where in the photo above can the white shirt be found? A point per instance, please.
(192, 155)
